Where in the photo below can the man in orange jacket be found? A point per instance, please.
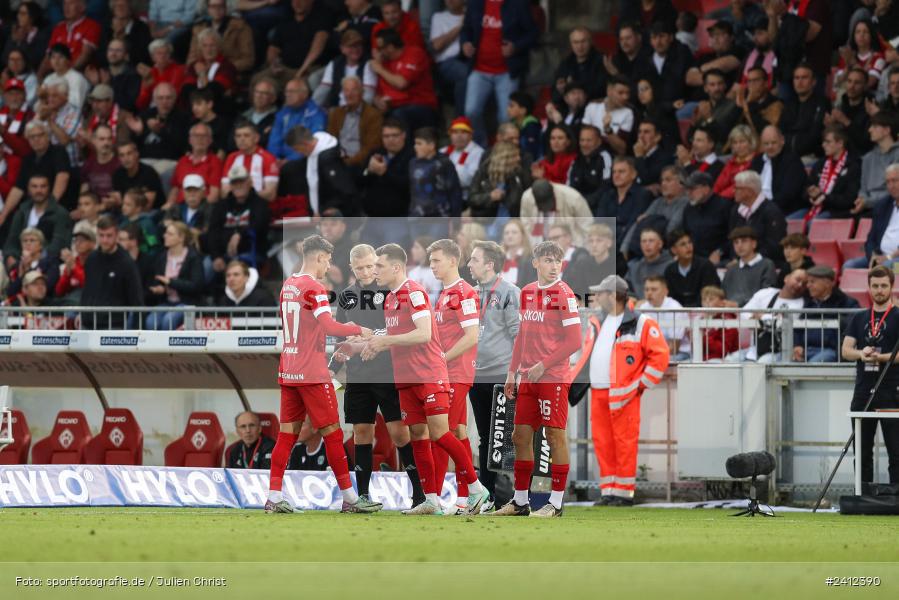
(627, 354)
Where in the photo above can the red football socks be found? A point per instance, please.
(337, 458)
(559, 475)
(523, 470)
(461, 456)
(424, 462)
(460, 482)
(280, 455)
(441, 464)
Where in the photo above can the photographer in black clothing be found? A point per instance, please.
(370, 383)
(869, 341)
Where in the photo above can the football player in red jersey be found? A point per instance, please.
(550, 333)
(306, 387)
(457, 324)
(421, 376)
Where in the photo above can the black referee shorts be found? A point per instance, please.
(361, 402)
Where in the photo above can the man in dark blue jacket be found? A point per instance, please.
(882, 245)
(496, 37)
(817, 344)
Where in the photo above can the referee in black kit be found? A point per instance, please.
(869, 341)
(370, 383)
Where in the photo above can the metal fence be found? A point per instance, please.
(191, 318)
(694, 334)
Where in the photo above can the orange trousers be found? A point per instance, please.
(615, 436)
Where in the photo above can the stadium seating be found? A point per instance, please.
(851, 248)
(17, 452)
(863, 229)
(702, 34)
(120, 441)
(795, 226)
(66, 442)
(827, 253)
(201, 445)
(270, 424)
(854, 282)
(825, 230)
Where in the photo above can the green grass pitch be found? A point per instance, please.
(589, 553)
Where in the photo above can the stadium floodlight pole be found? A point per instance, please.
(851, 439)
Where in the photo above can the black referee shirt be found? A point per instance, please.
(364, 305)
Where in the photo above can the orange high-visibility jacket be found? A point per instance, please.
(639, 357)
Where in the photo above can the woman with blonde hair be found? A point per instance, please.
(499, 183)
(743, 144)
(177, 277)
(517, 245)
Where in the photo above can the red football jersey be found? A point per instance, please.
(261, 165)
(546, 312)
(305, 320)
(83, 32)
(423, 363)
(209, 168)
(457, 309)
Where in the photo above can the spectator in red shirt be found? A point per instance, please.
(80, 33)
(14, 116)
(497, 36)
(97, 170)
(405, 85)
(261, 165)
(9, 171)
(717, 342)
(199, 161)
(743, 144)
(559, 156)
(164, 70)
(399, 20)
(71, 273)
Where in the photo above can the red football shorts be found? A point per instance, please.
(318, 400)
(418, 402)
(542, 404)
(458, 399)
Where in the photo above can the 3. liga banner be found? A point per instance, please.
(108, 485)
(502, 450)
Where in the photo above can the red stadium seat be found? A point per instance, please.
(854, 282)
(851, 248)
(827, 253)
(702, 34)
(863, 229)
(269, 424)
(825, 230)
(17, 452)
(66, 442)
(201, 445)
(544, 97)
(606, 42)
(862, 296)
(701, 6)
(854, 279)
(683, 127)
(120, 441)
(795, 226)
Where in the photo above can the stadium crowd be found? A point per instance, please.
(153, 150)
